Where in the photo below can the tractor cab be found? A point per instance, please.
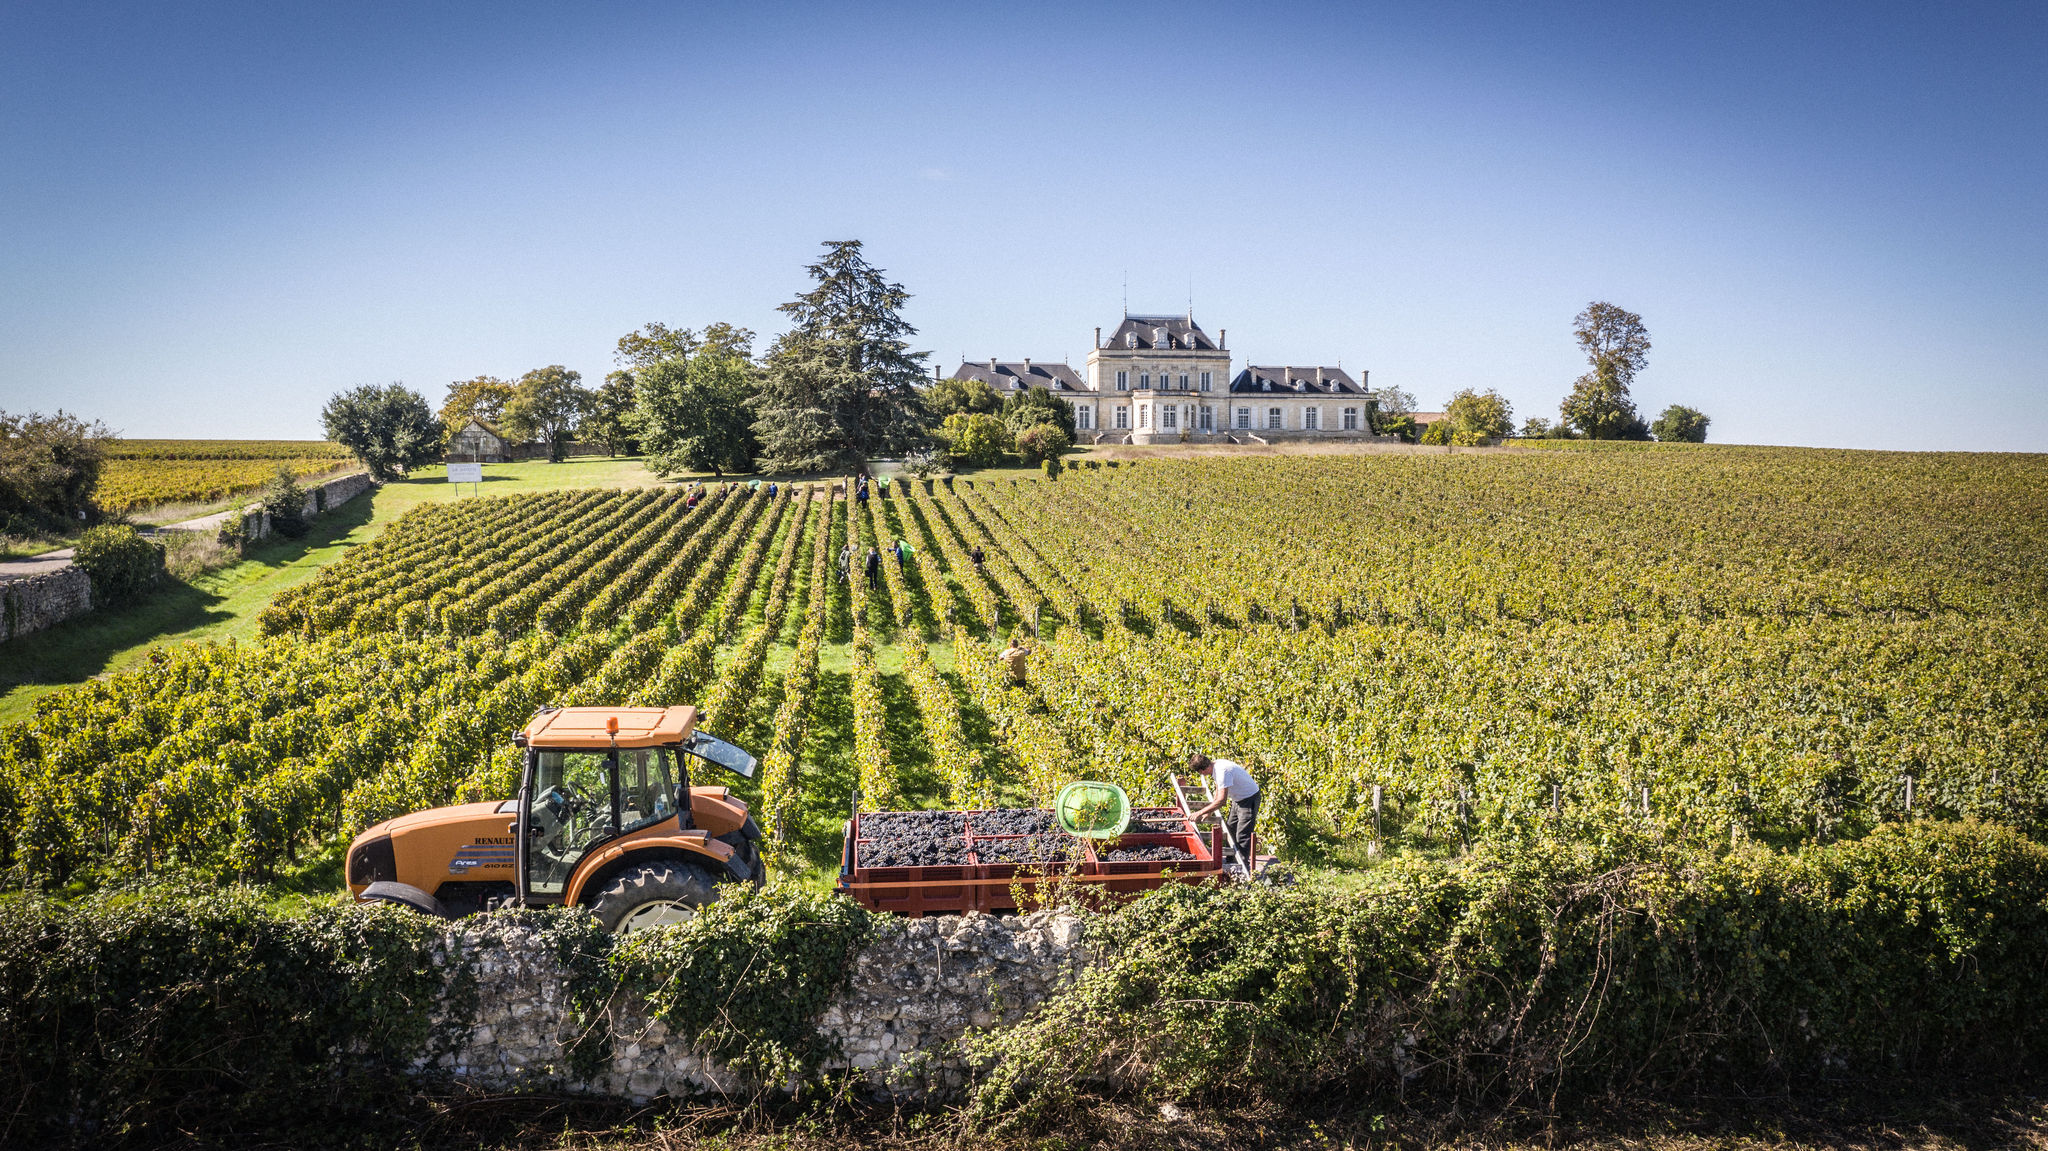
(606, 818)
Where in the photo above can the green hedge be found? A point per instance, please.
(121, 564)
(1549, 972)
(1533, 975)
(140, 1018)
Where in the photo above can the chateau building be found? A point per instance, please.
(1162, 379)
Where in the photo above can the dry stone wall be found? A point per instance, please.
(918, 986)
(33, 603)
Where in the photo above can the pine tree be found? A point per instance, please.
(842, 385)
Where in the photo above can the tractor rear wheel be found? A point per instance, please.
(653, 894)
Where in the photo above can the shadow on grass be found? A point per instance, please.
(81, 648)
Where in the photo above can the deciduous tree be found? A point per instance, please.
(1478, 417)
(1038, 406)
(547, 404)
(391, 428)
(975, 439)
(951, 396)
(610, 421)
(1617, 346)
(49, 466)
(693, 413)
(483, 398)
(1681, 425)
(842, 386)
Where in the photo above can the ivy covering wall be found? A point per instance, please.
(1528, 975)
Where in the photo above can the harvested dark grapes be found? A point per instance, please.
(912, 851)
(1159, 854)
(887, 824)
(1057, 848)
(1157, 820)
(1013, 821)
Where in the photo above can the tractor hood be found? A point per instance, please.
(464, 841)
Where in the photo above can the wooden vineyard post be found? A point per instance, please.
(1555, 800)
(1646, 801)
(1378, 833)
(1909, 797)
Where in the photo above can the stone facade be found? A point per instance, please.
(35, 602)
(917, 987)
(1162, 379)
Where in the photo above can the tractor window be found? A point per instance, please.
(647, 789)
(571, 810)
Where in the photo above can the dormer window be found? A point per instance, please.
(1130, 339)
(1160, 339)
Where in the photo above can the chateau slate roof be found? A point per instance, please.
(1007, 376)
(1288, 381)
(1182, 334)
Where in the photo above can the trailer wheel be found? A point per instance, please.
(653, 894)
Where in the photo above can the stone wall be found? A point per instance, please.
(33, 603)
(919, 985)
(256, 521)
(337, 491)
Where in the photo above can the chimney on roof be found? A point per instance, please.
(1098, 337)
(991, 363)
(1222, 338)
(1027, 365)
(1286, 375)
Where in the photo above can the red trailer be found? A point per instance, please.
(993, 884)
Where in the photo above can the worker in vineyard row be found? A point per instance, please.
(846, 561)
(1236, 787)
(873, 566)
(1016, 660)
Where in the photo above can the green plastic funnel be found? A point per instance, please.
(1093, 810)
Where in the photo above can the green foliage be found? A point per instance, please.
(391, 429)
(547, 404)
(1535, 428)
(1033, 406)
(956, 395)
(1680, 425)
(695, 414)
(1617, 346)
(842, 386)
(748, 977)
(1599, 408)
(1042, 441)
(1400, 424)
(121, 564)
(1549, 971)
(1477, 418)
(610, 420)
(49, 468)
(137, 1019)
(1438, 433)
(483, 398)
(976, 440)
(285, 502)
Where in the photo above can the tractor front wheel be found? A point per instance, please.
(653, 894)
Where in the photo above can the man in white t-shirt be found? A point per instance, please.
(1236, 787)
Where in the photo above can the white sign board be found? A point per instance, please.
(465, 473)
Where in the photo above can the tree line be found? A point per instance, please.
(841, 387)
(1599, 406)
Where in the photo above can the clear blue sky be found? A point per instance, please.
(1832, 217)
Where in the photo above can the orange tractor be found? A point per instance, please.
(606, 819)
